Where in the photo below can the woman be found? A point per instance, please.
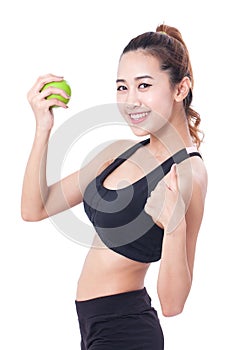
(156, 216)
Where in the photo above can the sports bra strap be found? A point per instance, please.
(159, 171)
(177, 158)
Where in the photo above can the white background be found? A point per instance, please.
(83, 41)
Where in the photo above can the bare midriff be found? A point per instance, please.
(106, 272)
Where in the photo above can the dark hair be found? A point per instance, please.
(168, 46)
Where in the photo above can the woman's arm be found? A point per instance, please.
(38, 199)
(35, 190)
(174, 279)
(180, 235)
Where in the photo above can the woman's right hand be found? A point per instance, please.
(42, 106)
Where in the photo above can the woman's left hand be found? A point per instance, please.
(165, 204)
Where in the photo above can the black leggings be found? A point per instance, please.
(120, 321)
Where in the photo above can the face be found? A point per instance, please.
(144, 94)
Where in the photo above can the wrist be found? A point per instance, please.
(42, 132)
(41, 138)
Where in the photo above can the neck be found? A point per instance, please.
(173, 136)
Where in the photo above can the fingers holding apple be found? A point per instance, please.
(47, 92)
(57, 90)
(40, 83)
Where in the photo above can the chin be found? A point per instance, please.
(139, 131)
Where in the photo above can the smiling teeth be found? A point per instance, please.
(138, 116)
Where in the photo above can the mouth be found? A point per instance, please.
(138, 117)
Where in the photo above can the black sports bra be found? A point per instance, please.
(118, 216)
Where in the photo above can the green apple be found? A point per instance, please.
(63, 85)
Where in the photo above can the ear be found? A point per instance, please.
(182, 89)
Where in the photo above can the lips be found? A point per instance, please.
(138, 117)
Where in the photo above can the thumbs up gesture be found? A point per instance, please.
(165, 204)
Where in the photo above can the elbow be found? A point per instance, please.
(173, 302)
(30, 217)
(172, 305)
(172, 310)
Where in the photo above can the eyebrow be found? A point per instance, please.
(137, 78)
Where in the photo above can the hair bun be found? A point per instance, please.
(172, 32)
(162, 28)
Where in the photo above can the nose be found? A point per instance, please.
(132, 100)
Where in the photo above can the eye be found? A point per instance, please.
(121, 88)
(144, 86)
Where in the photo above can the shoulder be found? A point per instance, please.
(193, 180)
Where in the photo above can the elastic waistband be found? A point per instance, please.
(117, 304)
